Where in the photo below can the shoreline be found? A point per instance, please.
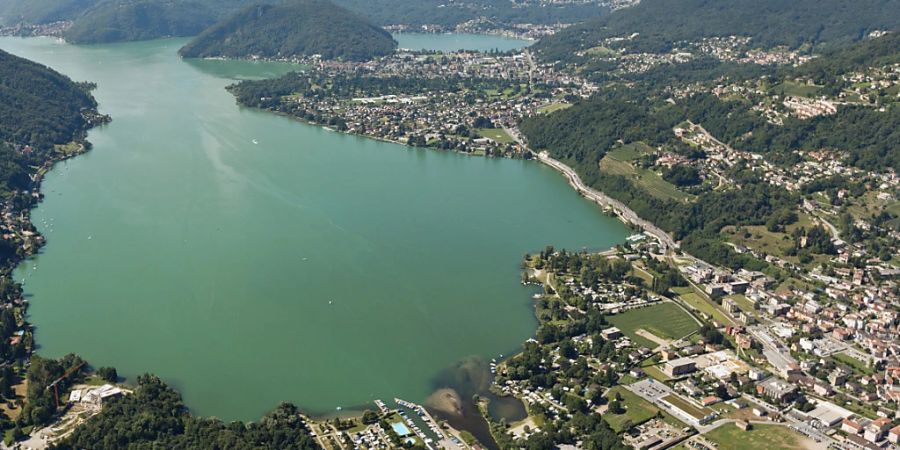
(85, 146)
(625, 214)
(620, 210)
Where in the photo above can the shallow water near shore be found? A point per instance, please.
(249, 259)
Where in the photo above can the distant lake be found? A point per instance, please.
(448, 42)
(249, 259)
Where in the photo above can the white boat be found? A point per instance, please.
(255, 142)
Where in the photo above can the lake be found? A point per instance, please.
(448, 42)
(249, 259)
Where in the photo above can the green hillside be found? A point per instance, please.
(449, 14)
(135, 20)
(294, 28)
(41, 11)
(661, 24)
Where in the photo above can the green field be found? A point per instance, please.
(637, 410)
(699, 302)
(757, 237)
(798, 89)
(617, 162)
(495, 134)
(665, 320)
(688, 407)
(656, 373)
(730, 437)
(869, 204)
(553, 107)
(600, 51)
(743, 303)
(855, 364)
(630, 152)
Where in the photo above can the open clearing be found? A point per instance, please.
(553, 107)
(637, 410)
(795, 89)
(495, 134)
(699, 303)
(618, 162)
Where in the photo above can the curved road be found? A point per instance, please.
(602, 199)
(598, 197)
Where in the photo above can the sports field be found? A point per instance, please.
(730, 437)
(665, 320)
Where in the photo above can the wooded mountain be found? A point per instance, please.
(154, 417)
(661, 24)
(449, 14)
(134, 20)
(13, 12)
(39, 109)
(38, 106)
(293, 28)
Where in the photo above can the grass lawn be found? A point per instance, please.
(600, 51)
(688, 407)
(665, 320)
(643, 274)
(855, 364)
(757, 237)
(630, 152)
(743, 303)
(869, 204)
(730, 437)
(656, 373)
(799, 89)
(495, 134)
(553, 107)
(699, 303)
(646, 179)
(637, 410)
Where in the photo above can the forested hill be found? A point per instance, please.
(661, 24)
(13, 12)
(40, 111)
(864, 129)
(154, 417)
(449, 14)
(134, 20)
(293, 28)
(868, 53)
(38, 106)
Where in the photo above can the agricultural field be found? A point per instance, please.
(665, 320)
(730, 437)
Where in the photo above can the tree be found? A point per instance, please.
(108, 374)
(369, 417)
(615, 407)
